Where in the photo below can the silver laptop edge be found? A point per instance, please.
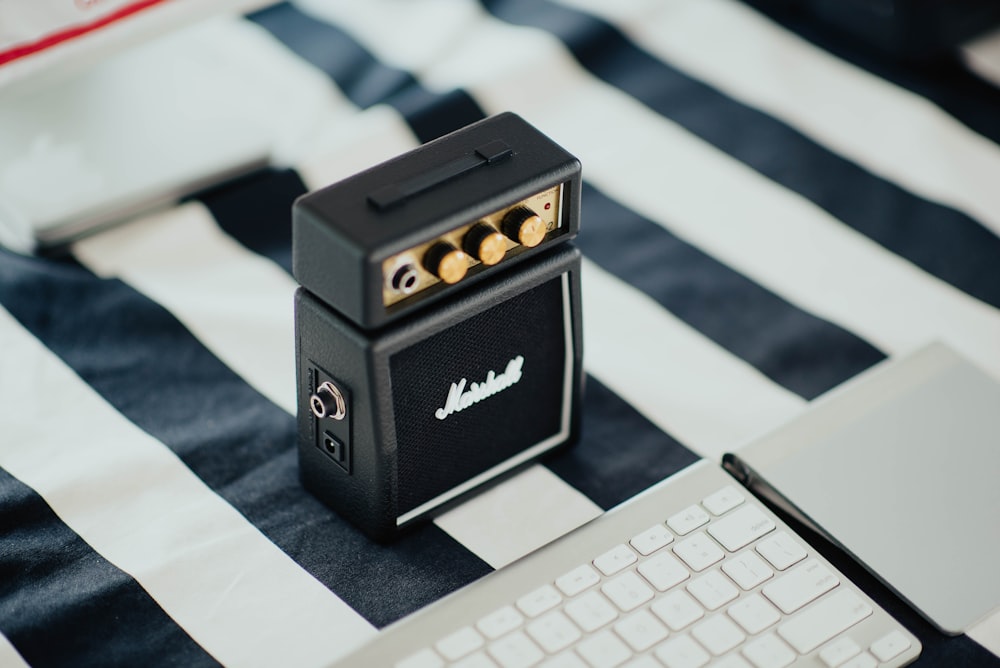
(899, 468)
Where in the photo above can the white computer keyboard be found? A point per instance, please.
(693, 572)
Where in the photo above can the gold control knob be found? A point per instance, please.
(446, 262)
(485, 244)
(524, 226)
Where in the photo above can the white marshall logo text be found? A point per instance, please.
(459, 398)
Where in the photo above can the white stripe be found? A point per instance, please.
(982, 56)
(309, 109)
(345, 148)
(771, 235)
(686, 384)
(987, 632)
(799, 252)
(504, 523)
(233, 301)
(886, 129)
(9, 657)
(132, 500)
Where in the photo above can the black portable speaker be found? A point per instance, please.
(407, 233)
(442, 402)
(438, 335)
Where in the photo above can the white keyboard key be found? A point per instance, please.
(731, 661)
(499, 622)
(663, 571)
(718, 634)
(699, 551)
(542, 599)
(688, 520)
(643, 662)
(747, 570)
(641, 630)
(839, 651)
(515, 650)
(890, 646)
(553, 631)
(591, 611)
(677, 609)
(477, 660)
(865, 660)
(813, 627)
(456, 645)
(682, 652)
(567, 659)
(781, 550)
(769, 652)
(604, 650)
(577, 580)
(800, 586)
(425, 658)
(713, 590)
(741, 527)
(615, 559)
(652, 539)
(753, 613)
(627, 591)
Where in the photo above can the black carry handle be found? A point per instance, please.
(487, 154)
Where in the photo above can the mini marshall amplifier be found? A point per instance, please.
(438, 333)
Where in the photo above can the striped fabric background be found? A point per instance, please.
(766, 214)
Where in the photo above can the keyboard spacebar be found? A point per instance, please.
(812, 627)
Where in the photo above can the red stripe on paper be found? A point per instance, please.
(23, 50)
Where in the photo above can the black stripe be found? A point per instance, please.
(803, 353)
(142, 361)
(364, 80)
(942, 241)
(944, 80)
(63, 604)
(620, 452)
(257, 210)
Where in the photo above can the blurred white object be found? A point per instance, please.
(143, 127)
(55, 37)
(982, 56)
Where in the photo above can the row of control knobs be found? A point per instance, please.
(484, 243)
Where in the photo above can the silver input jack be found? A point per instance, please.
(328, 401)
(404, 277)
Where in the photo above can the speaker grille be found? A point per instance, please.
(435, 455)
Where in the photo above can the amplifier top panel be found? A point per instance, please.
(446, 215)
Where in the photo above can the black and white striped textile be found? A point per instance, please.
(767, 212)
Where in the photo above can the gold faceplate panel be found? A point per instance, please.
(404, 275)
